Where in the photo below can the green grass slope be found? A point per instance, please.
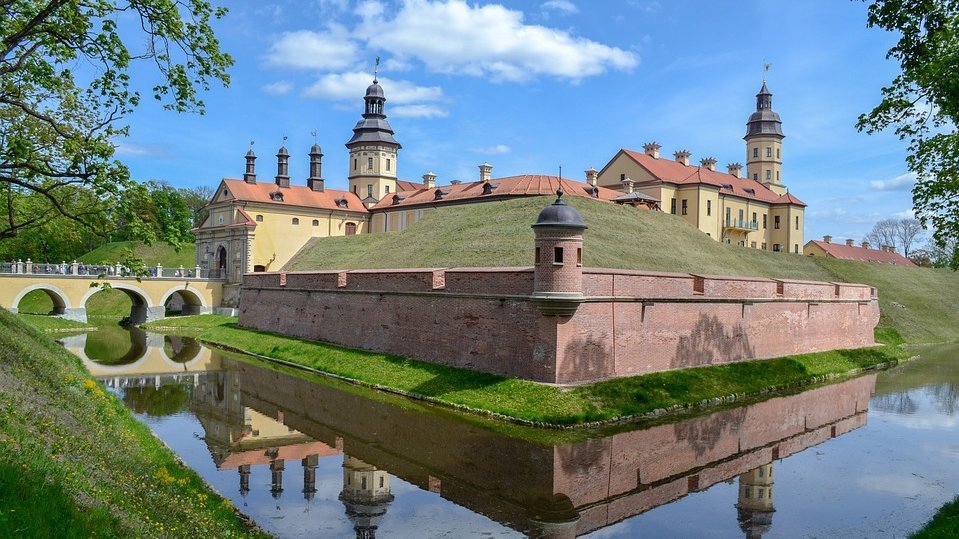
(914, 301)
(158, 253)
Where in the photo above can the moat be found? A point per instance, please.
(873, 456)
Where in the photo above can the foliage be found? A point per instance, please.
(157, 253)
(196, 198)
(535, 402)
(65, 88)
(922, 105)
(899, 233)
(62, 472)
(157, 401)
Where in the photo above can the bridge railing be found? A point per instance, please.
(103, 270)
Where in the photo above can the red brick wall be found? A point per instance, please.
(631, 322)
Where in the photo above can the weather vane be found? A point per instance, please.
(766, 66)
(251, 144)
(376, 68)
(314, 135)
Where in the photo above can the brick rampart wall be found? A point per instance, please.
(630, 323)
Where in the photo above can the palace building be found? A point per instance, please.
(258, 226)
(753, 211)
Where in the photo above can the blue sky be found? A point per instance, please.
(535, 85)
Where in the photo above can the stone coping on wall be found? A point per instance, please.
(600, 284)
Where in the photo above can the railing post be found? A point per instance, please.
(159, 270)
(29, 266)
(117, 269)
(75, 268)
(196, 272)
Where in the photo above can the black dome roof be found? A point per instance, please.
(560, 214)
(375, 90)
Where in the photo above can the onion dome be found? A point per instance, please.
(560, 214)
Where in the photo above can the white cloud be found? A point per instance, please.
(133, 149)
(453, 37)
(352, 85)
(906, 214)
(280, 87)
(562, 6)
(494, 150)
(304, 49)
(899, 183)
(419, 111)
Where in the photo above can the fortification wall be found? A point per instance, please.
(628, 323)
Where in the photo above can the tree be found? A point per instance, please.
(901, 234)
(57, 126)
(922, 105)
(196, 199)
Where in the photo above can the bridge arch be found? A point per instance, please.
(60, 299)
(143, 308)
(194, 301)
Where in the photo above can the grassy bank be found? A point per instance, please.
(52, 324)
(75, 463)
(914, 301)
(158, 253)
(537, 403)
(944, 525)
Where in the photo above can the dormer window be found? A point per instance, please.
(593, 191)
(397, 199)
(728, 186)
(489, 187)
(276, 196)
(440, 193)
(749, 190)
(342, 203)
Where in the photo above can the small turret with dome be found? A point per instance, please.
(558, 259)
(373, 149)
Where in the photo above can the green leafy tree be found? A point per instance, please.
(196, 199)
(922, 105)
(57, 125)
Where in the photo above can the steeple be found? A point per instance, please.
(764, 121)
(373, 149)
(764, 135)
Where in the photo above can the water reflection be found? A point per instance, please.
(307, 457)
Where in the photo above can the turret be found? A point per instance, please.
(315, 181)
(283, 167)
(764, 135)
(366, 495)
(755, 503)
(558, 258)
(250, 175)
(373, 150)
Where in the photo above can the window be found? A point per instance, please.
(354, 189)
(777, 248)
(797, 222)
(742, 243)
(381, 481)
(369, 190)
(769, 174)
(296, 220)
(740, 216)
(769, 151)
(755, 152)
(622, 177)
(777, 153)
(756, 176)
(709, 207)
(752, 244)
(259, 218)
(754, 220)
(557, 255)
(685, 206)
(762, 471)
(777, 175)
(387, 189)
(225, 192)
(316, 222)
(729, 215)
(536, 256)
(796, 248)
(764, 246)
(776, 222)
(350, 229)
(354, 164)
(764, 221)
(672, 206)
(579, 256)
(388, 165)
(220, 220)
(369, 163)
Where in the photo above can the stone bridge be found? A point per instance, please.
(69, 286)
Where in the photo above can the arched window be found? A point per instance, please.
(316, 222)
(259, 218)
(350, 229)
(296, 220)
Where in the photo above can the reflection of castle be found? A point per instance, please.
(755, 506)
(366, 493)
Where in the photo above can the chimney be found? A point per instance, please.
(315, 181)
(283, 167)
(851, 242)
(429, 180)
(592, 176)
(652, 149)
(628, 185)
(708, 162)
(485, 170)
(682, 156)
(865, 244)
(735, 169)
(250, 175)
(827, 238)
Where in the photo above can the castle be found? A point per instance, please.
(258, 226)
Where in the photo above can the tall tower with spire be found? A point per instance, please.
(764, 140)
(373, 149)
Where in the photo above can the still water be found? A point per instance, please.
(874, 456)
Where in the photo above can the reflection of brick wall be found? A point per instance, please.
(630, 323)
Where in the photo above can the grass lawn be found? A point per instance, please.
(55, 324)
(530, 402)
(187, 325)
(944, 525)
(75, 463)
(158, 253)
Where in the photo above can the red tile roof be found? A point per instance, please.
(852, 252)
(403, 185)
(512, 186)
(295, 195)
(285, 452)
(670, 171)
